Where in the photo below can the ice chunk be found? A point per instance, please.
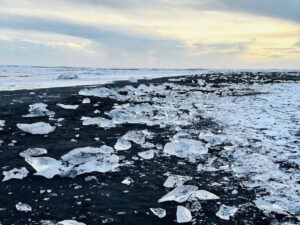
(205, 195)
(2, 124)
(132, 80)
(70, 222)
(85, 154)
(33, 152)
(137, 136)
(161, 213)
(127, 181)
(269, 207)
(183, 215)
(99, 121)
(67, 77)
(179, 194)
(176, 180)
(122, 144)
(146, 154)
(39, 110)
(86, 101)
(102, 92)
(22, 207)
(15, 174)
(103, 165)
(67, 106)
(186, 148)
(45, 166)
(36, 128)
(225, 212)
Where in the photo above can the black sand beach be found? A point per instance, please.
(106, 200)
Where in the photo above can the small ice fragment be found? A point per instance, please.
(205, 195)
(67, 106)
(15, 174)
(45, 166)
(36, 128)
(90, 178)
(225, 212)
(70, 222)
(99, 121)
(234, 192)
(122, 144)
(137, 136)
(132, 80)
(86, 101)
(2, 124)
(67, 77)
(161, 213)
(183, 215)
(127, 181)
(39, 110)
(1, 142)
(22, 207)
(47, 222)
(176, 180)
(33, 152)
(179, 194)
(146, 154)
(269, 207)
(186, 148)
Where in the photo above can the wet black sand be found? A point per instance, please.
(104, 201)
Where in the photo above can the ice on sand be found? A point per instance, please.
(149, 154)
(99, 121)
(179, 194)
(33, 152)
(70, 222)
(183, 215)
(2, 124)
(176, 180)
(205, 195)
(225, 212)
(136, 136)
(67, 106)
(36, 128)
(86, 101)
(45, 166)
(22, 207)
(186, 148)
(127, 181)
(161, 213)
(122, 144)
(39, 110)
(15, 174)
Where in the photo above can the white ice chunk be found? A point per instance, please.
(67, 106)
(161, 213)
(102, 92)
(99, 121)
(132, 80)
(22, 207)
(122, 144)
(205, 195)
(39, 110)
(137, 136)
(186, 148)
(86, 101)
(15, 174)
(70, 222)
(183, 215)
(2, 124)
(103, 165)
(225, 212)
(36, 128)
(269, 207)
(176, 180)
(149, 154)
(33, 152)
(85, 154)
(45, 166)
(179, 194)
(127, 181)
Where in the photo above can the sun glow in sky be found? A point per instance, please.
(151, 33)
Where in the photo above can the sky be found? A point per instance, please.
(241, 34)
